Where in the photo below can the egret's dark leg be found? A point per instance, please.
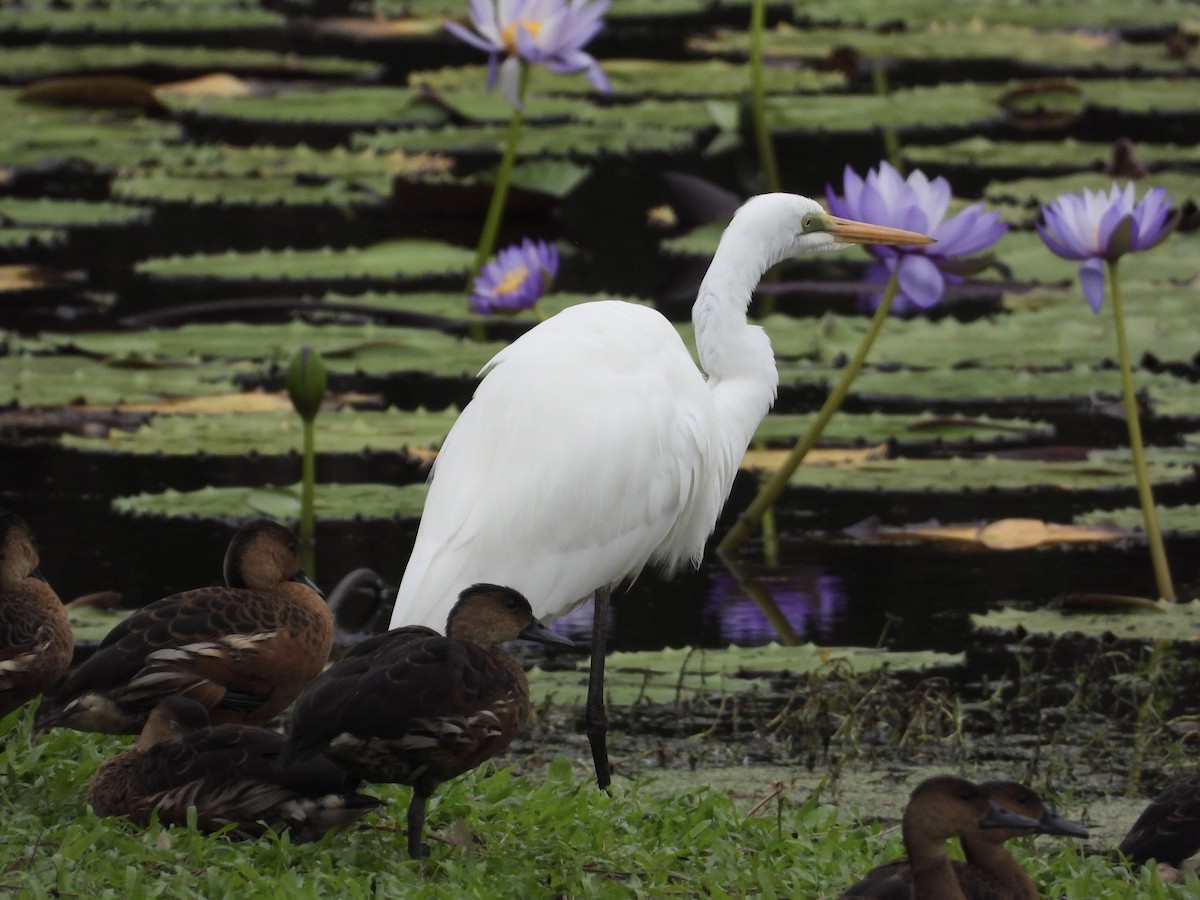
(416, 826)
(595, 717)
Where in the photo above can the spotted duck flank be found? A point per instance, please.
(243, 651)
(35, 635)
(413, 707)
(230, 774)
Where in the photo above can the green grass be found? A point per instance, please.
(543, 833)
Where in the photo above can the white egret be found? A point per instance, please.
(594, 445)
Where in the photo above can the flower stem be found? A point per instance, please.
(891, 140)
(495, 212)
(308, 477)
(1158, 553)
(762, 134)
(770, 491)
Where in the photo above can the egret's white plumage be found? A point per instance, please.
(594, 445)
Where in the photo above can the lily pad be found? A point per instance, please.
(43, 381)
(679, 675)
(984, 153)
(907, 430)
(275, 433)
(332, 501)
(394, 260)
(1069, 13)
(1169, 622)
(1173, 519)
(47, 213)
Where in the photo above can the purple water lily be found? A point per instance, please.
(918, 204)
(515, 278)
(1098, 228)
(550, 33)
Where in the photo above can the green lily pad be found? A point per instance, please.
(46, 213)
(344, 348)
(1092, 50)
(174, 187)
(387, 260)
(332, 501)
(26, 238)
(1171, 519)
(984, 153)
(275, 433)
(42, 60)
(674, 675)
(1069, 13)
(129, 16)
(1101, 470)
(568, 140)
(637, 78)
(45, 381)
(875, 428)
(1170, 622)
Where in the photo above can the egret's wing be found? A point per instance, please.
(584, 445)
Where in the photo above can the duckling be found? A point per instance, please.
(35, 636)
(413, 707)
(1168, 830)
(231, 774)
(243, 651)
(939, 808)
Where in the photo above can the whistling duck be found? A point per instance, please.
(231, 774)
(413, 707)
(243, 651)
(35, 635)
(939, 808)
(1168, 830)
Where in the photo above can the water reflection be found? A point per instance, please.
(813, 601)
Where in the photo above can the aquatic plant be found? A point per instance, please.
(1099, 229)
(885, 197)
(549, 33)
(515, 278)
(306, 383)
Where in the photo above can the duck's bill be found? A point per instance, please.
(1002, 817)
(1052, 823)
(536, 631)
(849, 231)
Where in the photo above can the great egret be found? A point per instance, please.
(594, 445)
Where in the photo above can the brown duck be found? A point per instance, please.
(1168, 830)
(35, 636)
(413, 707)
(939, 808)
(990, 872)
(243, 651)
(230, 774)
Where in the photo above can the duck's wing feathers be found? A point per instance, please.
(1168, 830)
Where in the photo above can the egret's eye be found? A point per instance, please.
(811, 222)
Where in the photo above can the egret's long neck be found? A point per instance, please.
(736, 356)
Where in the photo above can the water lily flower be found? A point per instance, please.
(515, 278)
(1098, 228)
(550, 33)
(885, 197)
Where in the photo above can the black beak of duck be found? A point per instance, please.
(999, 816)
(536, 631)
(1053, 823)
(307, 582)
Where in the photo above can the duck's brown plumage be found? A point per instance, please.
(990, 872)
(1168, 830)
(231, 774)
(940, 808)
(244, 651)
(413, 707)
(35, 635)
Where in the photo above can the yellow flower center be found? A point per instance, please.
(512, 281)
(509, 34)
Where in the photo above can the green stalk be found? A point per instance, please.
(308, 477)
(495, 212)
(891, 140)
(1158, 553)
(758, 102)
(770, 491)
